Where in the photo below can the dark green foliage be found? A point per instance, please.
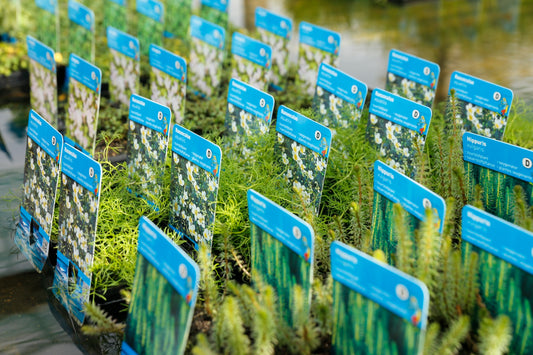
(115, 15)
(81, 41)
(149, 31)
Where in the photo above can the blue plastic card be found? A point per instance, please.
(275, 31)
(377, 309)
(195, 171)
(317, 45)
(397, 129)
(250, 61)
(148, 131)
(303, 145)
(482, 107)
(391, 187)
(125, 68)
(505, 267)
(116, 14)
(339, 98)
(215, 11)
(81, 121)
(498, 168)
(81, 30)
(78, 214)
(165, 288)
(41, 174)
(282, 252)
(411, 77)
(168, 82)
(43, 80)
(150, 26)
(47, 23)
(207, 56)
(177, 9)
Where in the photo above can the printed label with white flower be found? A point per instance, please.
(47, 23)
(150, 27)
(483, 107)
(411, 77)
(195, 172)
(81, 30)
(251, 61)
(339, 98)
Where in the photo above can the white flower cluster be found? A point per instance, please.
(205, 67)
(481, 121)
(332, 105)
(250, 72)
(411, 90)
(81, 117)
(43, 89)
(309, 61)
(280, 55)
(170, 92)
(124, 74)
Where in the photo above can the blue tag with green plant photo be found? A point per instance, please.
(392, 187)
(250, 61)
(479, 106)
(317, 45)
(81, 30)
(41, 174)
(174, 10)
(275, 31)
(163, 296)
(168, 80)
(195, 172)
(504, 273)
(148, 132)
(397, 129)
(248, 115)
(502, 170)
(125, 68)
(116, 14)
(81, 121)
(303, 146)
(43, 80)
(79, 201)
(47, 23)
(282, 253)
(206, 58)
(411, 77)
(377, 309)
(150, 25)
(215, 11)
(339, 98)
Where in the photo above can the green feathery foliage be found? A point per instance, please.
(495, 335)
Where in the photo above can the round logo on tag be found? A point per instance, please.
(354, 89)
(526, 162)
(283, 25)
(318, 135)
(402, 292)
(88, 18)
(426, 203)
(93, 75)
(497, 96)
(296, 232)
(156, 9)
(262, 103)
(91, 172)
(416, 114)
(208, 153)
(160, 115)
(183, 271)
(48, 57)
(330, 39)
(262, 52)
(53, 140)
(132, 46)
(216, 34)
(426, 70)
(177, 65)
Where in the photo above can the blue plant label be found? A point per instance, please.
(123, 43)
(85, 73)
(392, 187)
(195, 172)
(389, 287)
(41, 53)
(165, 288)
(80, 14)
(41, 173)
(411, 77)
(483, 106)
(208, 32)
(339, 98)
(397, 128)
(319, 37)
(47, 5)
(251, 61)
(220, 5)
(168, 62)
(279, 25)
(78, 215)
(151, 8)
(150, 114)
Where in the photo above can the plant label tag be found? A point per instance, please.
(275, 31)
(125, 68)
(148, 132)
(78, 214)
(411, 77)
(163, 297)
(215, 11)
(251, 61)
(366, 289)
(41, 174)
(195, 172)
(339, 98)
(282, 252)
(304, 146)
(43, 80)
(397, 129)
(47, 19)
(81, 30)
(482, 107)
(505, 271)
(207, 56)
(317, 45)
(391, 187)
(116, 14)
(248, 115)
(498, 167)
(81, 121)
(177, 9)
(150, 27)
(168, 83)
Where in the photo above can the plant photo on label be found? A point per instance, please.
(334, 111)
(410, 89)
(479, 120)
(249, 72)
(43, 92)
(124, 74)
(168, 91)
(81, 117)
(205, 67)
(241, 125)
(309, 60)
(280, 56)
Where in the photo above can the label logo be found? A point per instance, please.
(402, 292)
(160, 115)
(91, 172)
(54, 142)
(262, 103)
(318, 135)
(183, 271)
(296, 232)
(354, 89)
(416, 114)
(526, 162)
(426, 71)
(208, 153)
(497, 96)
